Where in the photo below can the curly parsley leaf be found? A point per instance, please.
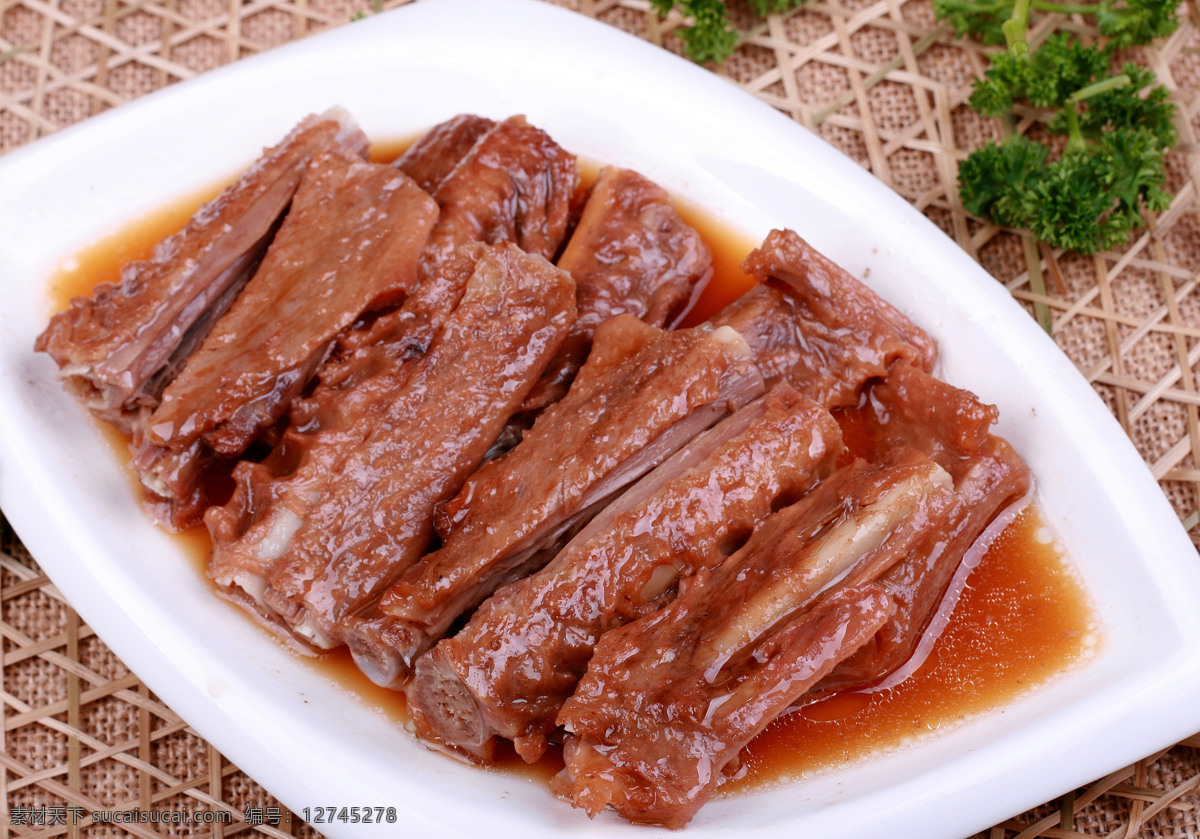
(1091, 194)
(1142, 104)
(980, 19)
(709, 35)
(1126, 22)
(1134, 22)
(994, 181)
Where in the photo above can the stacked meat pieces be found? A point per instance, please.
(440, 412)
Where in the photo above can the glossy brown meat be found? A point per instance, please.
(354, 388)
(119, 348)
(515, 185)
(350, 243)
(630, 253)
(377, 518)
(670, 700)
(814, 326)
(772, 324)
(429, 160)
(911, 408)
(838, 300)
(656, 782)
(642, 396)
(507, 672)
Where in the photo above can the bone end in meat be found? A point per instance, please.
(118, 349)
(429, 160)
(383, 648)
(460, 720)
(177, 483)
(350, 242)
(525, 647)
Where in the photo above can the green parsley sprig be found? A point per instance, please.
(709, 36)
(1127, 22)
(1118, 128)
(1118, 125)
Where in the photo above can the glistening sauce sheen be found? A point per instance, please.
(1023, 620)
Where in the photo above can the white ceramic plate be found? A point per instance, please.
(610, 97)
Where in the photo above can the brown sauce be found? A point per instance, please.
(1023, 620)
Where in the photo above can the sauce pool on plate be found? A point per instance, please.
(1023, 619)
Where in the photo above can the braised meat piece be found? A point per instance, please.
(514, 185)
(367, 372)
(507, 672)
(833, 592)
(835, 299)
(376, 519)
(118, 349)
(429, 160)
(630, 253)
(814, 326)
(912, 408)
(670, 700)
(642, 394)
(350, 243)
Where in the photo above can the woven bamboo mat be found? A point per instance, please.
(880, 80)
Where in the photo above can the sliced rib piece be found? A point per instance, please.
(354, 389)
(630, 253)
(642, 395)
(429, 160)
(670, 700)
(507, 672)
(178, 481)
(838, 300)
(814, 326)
(377, 518)
(119, 348)
(515, 185)
(350, 243)
(912, 408)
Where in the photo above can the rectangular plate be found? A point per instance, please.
(610, 97)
